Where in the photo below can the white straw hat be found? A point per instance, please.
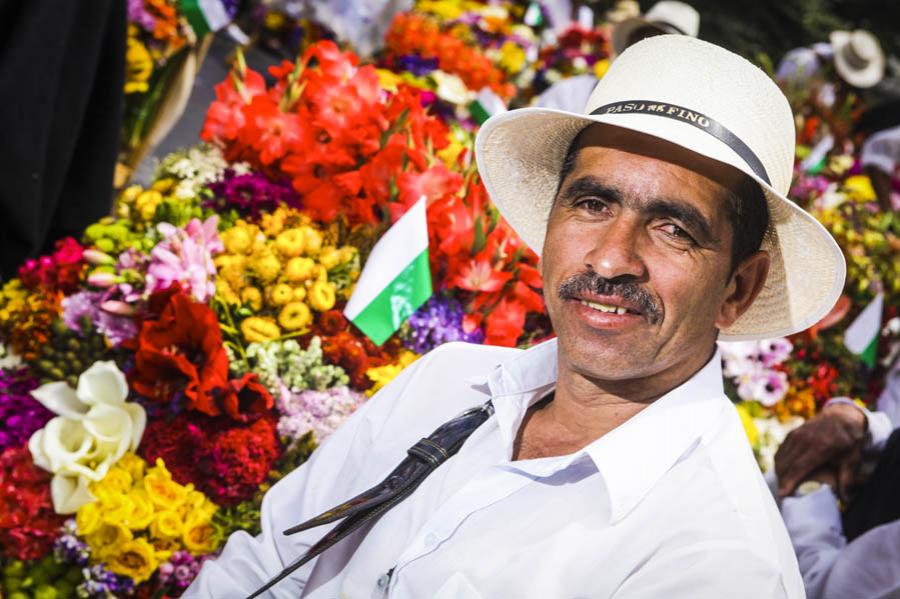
(668, 16)
(710, 101)
(858, 57)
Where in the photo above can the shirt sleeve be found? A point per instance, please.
(867, 567)
(879, 424)
(330, 476)
(882, 150)
(724, 568)
(813, 522)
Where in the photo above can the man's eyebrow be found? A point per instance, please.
(688, 215)
(590, 186)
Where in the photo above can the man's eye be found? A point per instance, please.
(676, 232)
(591, 204)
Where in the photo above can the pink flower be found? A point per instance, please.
(185, 255)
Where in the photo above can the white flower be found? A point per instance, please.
(451, 88)
(93, 429)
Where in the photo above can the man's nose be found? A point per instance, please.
(615, 252)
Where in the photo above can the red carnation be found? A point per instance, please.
(226, 460)
(28, 524)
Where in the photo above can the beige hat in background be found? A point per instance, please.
(668, 16)
(707, 100)
(858, 57)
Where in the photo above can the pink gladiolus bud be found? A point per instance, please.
(102, 279)
(118, 308)
(98, 257)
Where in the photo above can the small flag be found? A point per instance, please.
(861, 336)
(818, 156)
(486, 105)
(533, 15)
(205, 15)
(396, 279)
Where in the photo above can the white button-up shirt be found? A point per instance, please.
(670, 504)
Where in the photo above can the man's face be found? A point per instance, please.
(637, 258)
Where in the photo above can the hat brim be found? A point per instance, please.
(520, 154)
(861, 78)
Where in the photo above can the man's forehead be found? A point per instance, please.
(611, 152)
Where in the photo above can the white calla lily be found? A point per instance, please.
(94, 428)
(103, 382)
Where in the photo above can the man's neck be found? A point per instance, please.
(582, 410)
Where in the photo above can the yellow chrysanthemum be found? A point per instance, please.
(135, 559)
(512, 57)
(295, 316)
(138, 66)
(321, 296)
(291, 242)
(258, 329)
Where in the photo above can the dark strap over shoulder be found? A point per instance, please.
(422, 459)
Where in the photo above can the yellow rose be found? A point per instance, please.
(198, 535)
(134, 465)
(88, 518)
(135, 559)
(321, 296)
(142, 511)
(117, 507)
(106, 540)
(166, 525)
(118, 479)
(164, 492)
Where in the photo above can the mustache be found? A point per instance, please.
(591, 282)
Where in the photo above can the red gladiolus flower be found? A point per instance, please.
(505, 324)
(181, 352)
(479, 275)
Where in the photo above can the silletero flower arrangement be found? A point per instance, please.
(161, 372)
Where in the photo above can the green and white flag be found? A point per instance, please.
(205, 16)
(396, 279)
(861, 336)
(486, 105)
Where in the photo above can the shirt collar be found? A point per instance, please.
(632, 457)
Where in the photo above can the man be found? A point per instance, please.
(613, 465)
(668, 16)
(854, 554)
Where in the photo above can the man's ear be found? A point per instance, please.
(745, 283)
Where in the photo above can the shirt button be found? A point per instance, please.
(430, 540)
(383, 581)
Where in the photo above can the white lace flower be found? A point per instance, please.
(93, 429)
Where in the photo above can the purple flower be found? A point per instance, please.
(181, 569)
(318, 411)
(20, 414)
(68, 548)
(185, 255)
(95, 306)
(137, 14)
(415, 64)
(251, 193)
(100, 583)
(437, 322)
